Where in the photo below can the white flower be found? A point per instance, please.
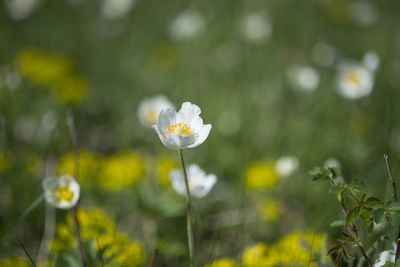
(303, 78)
(354, 80)
(386, 256)
(199, 183)
(150, 108)
(286, 165)
(182, 129)
(332, 163)
(114, 9)
(187, 25)
(371, 60)
(256, 27)
(61, 192)
(20, 9)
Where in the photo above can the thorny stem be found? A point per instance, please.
(355, 231)
(189, 220)
(74, 211)
(395, 198)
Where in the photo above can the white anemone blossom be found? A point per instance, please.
(200, 183)
(256, 27)
(61, 192)
(182, 129)
(286, 165)
(303, 78)
(115, 9)
(354, 80)
(187, 25)
(150, 108)
(385, 257)
(21, 9)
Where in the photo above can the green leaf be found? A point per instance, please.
(395, 206)
(338, 223)
(351, 215)
(373, 201)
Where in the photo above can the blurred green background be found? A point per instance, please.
(237, 60)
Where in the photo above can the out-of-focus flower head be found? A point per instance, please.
(182, 129)
(54, 71)
(121, 170)
(14, 262)
(256, 27)
(371, 60)
(200, 183)
(61, 192)
(89, 165)
(164, 167)
(98, 229)
(286, 165)
(270, 210)
(292, 250)
(150, 108)
(261, 175)
(364, 13)
(354, 80)
(332, 163)
(387, 256)
(187, 25)
(21, 9)
(115, 9)
(303, 78)
(223, 262)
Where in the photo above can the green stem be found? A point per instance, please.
(189, 220)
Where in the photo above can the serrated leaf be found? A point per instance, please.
(338, 223)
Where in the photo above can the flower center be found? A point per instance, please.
(354, 78)
(63, 193)
(180, 128)
(152, 116)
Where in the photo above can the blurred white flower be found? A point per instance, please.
(286, 165)
(303, 78)
(20, 9)
(371, 60)
(61, 192)
(115, 9)
(386, 256)
(182, 129)
(150, 108)
(364, 13)
(200, 183)
(187, 25)
(354, 80)
(332, 163)
(256, 27)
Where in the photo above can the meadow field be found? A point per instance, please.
(225, 133)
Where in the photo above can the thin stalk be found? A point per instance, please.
(48, 234)
(74, 211)
(395, 198)
(189, 221)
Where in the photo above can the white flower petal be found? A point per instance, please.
(202, 135)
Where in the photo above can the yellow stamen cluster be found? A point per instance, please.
(63, 193)
(179, 127)
(152, 116)
(354, 78)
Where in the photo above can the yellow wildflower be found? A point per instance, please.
(71, 89)
(223, 262)
(164, 167)
(261, 175)
(115, 247)
(14, 262)
(88, 166)
(42, 67)
(121, 170)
